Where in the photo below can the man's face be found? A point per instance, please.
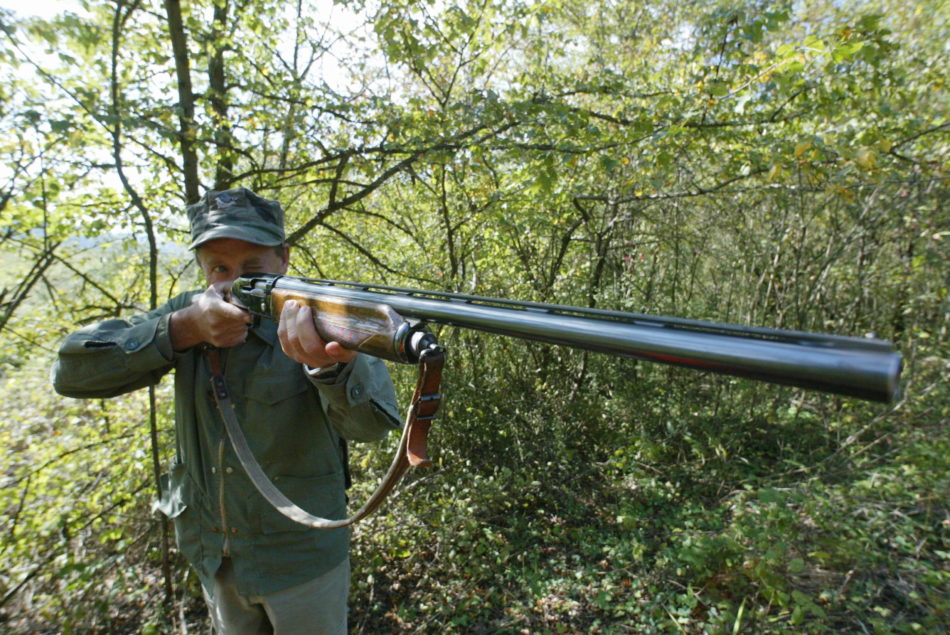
(224, 259)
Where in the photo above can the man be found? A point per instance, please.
(297, 399)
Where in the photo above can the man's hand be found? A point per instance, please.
(301, 342)
(210, 319)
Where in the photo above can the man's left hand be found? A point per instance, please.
(301, 342)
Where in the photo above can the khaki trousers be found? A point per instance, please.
(318, 607)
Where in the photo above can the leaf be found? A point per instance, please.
(847, 51)
(865, 158)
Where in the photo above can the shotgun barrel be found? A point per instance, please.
(390, 322)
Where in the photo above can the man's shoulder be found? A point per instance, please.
(186, 296)
(183, 299)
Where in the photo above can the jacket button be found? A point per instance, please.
(229, 470)
(131, 344)
(356, 391)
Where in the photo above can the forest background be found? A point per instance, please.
(770, 163)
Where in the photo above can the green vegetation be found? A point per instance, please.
(770, 163)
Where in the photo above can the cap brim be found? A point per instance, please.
(238, 233)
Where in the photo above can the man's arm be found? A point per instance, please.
(358, 399)
(117, 356)
(356, 391)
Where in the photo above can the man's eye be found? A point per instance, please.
(219, 269)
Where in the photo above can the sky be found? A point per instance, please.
(39, 8)
(332, 71)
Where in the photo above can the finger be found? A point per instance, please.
(229, 325)
(297, 341)
(287, 328)
(232, 340)
(216, 300)
(298, 335)
(228, 316)
(308, 337)
(227, 335)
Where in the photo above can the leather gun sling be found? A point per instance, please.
(411, 450)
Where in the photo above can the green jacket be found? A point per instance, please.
(295, 424)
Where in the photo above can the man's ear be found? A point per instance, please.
(201, 267)
(285, 260)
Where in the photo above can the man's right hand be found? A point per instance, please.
(210, 319)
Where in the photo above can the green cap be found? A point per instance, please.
(237, 213)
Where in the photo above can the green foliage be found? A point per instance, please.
(761, 162)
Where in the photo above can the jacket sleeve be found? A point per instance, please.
(117, 356)
(360, 402)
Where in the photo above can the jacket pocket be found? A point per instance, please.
(286, 429)
(173, 500)
(181, 502)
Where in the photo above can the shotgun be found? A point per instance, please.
(391, 323)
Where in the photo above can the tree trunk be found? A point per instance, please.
(186, 100)
(223, 139)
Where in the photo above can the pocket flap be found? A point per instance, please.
(172, 502)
